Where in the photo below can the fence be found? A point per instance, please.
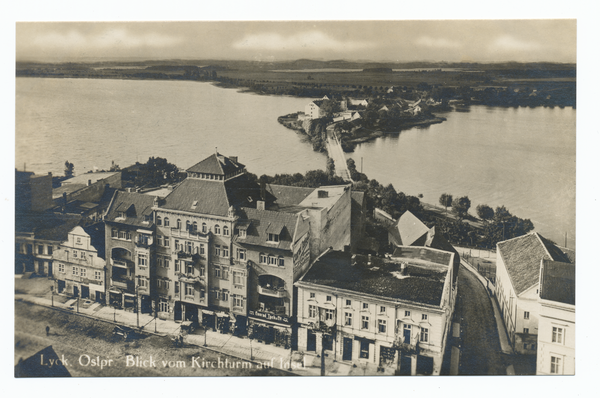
(485, 268)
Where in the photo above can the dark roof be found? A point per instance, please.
(358, 197)
(263, 222)
(213, 196)
(33, 367)
(318, 102)
(288, 196)
(216, 164)
(410, 230)
(383, 277)
(522, 257)
(48, 226)
(96, 233)
(557, 282)
(136, 207)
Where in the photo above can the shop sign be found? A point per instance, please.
(270, 317)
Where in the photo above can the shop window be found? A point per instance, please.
(364, 349)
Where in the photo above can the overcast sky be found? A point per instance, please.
(450, 40)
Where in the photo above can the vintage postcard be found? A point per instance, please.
(312, 198)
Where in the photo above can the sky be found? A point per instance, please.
(552, 40)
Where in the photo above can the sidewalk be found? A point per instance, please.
(503, 335)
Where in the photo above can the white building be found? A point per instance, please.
(556, 329)
(389, 315)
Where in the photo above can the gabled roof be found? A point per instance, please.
(557, 282)
(97, 238)
(216, 164)
(263, 222)
(288, 196)
(136, 206)
(522, 257)
(411, 230)
(54, 227)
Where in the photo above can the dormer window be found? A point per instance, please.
(242, 232)
(194, 204)
(121, 214)
(273, 238)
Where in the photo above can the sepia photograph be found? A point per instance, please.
(295, 198)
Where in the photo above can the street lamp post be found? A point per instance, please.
(52, 290)
(137, 300)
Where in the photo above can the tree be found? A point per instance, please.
(461, 206)
(446, 200)
(485, 212)
(330, 167)
(69, 169)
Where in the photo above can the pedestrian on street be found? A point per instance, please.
(47, 330)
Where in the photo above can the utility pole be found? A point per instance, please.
(137, 301)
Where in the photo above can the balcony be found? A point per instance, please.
(183, 254)
(124, 283)
(278, 292)
(272, 309)
(122, 263)
(143, 243)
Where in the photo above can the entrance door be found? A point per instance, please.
(347, 356)
(311, 341)
(100, 297)
(75, 291)
(61, 286)
(177, 311)
(85, 292)
(407, 334)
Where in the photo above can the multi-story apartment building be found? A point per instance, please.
(79, 264)
(389, 313)
(556, 329)
(517, 285)
(130, 251)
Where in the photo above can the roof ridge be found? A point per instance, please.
(544, 245)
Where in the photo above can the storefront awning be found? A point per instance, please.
(222, 315)
(207, 312)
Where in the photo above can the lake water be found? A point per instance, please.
(522, 158)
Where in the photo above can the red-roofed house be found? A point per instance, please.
(517, 284)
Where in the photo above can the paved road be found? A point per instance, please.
(334, 148)
(78, 337)
(481, 354)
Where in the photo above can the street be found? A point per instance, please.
(83, 340)
(481, 354)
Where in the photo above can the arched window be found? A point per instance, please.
(158, 220)
(195, 226)
(217, 229)
(225, 230)
(263, 258)
(204, 228)
(272, 260)
(167, 222)
(188, 226)
(178, 223)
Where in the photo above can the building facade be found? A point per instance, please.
(517, 286)
(389, 313)
(79, 264)
(556, 329)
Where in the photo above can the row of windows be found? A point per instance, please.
(77, 271)
(119, 234)
(193, 226)
(41, 249)
(270, 259)
(222, 251)
(365, 306)
(163, 283)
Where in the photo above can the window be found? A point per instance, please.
(272, 260)
(424, 335)
(195, 226)
(526, 315)
(188, 225)
(347, 319)
(281, 261)
(201, 270)
(167, 241)
(178, 223)
(204, 228)
(382, 309)
(75, 271)
(364, 349)
(365, 322)
(217, 250)
(114, 233)
(166, 262)
(97, 275)
(83, 272)
(163, 306)
(41, 247)
(328, 315)
(238, 278)
(242, 233)
(225, 273)
(241, 254)
(224, 295)
(312, 295)
(238, 301)
(158, 220)
(406, 313)
(424, 317)
(177, 268)
(201, 249)
(557, 335)
(225, 251)
(312, 311)
(365, 306)
(189, 268)
(526, 330)
(273, 238)
(142, 260)
(142, 282)
(217, 229)
(382, 325)
(122, 235)
(75, 253)
(177, 247)
(328, 298)
(348, 303)
(159, 240)
(49, 250)
(189, 247)
(217, 272)
(189, 289)
(262, 258)
(176, 287)
(225, 230)
(61, 268)
(555, 365)
(83, 255)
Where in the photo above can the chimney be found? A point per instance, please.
(322, 194)
(263, 189)
(260, 205)
(89, 183)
